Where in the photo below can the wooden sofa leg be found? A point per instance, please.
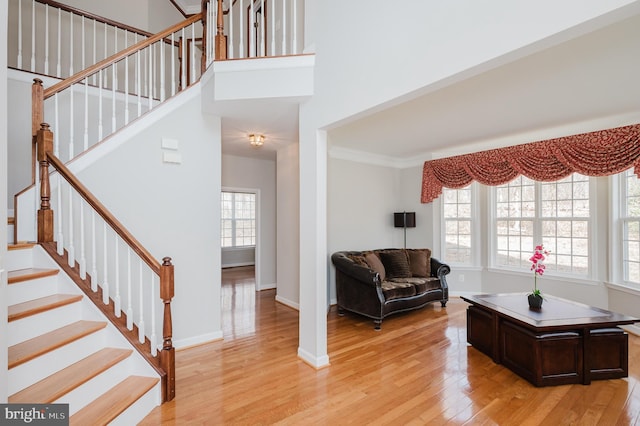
(340, 311)
(377, 324)
(443, 303)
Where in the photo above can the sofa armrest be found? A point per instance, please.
(352, 269)
(439, 269)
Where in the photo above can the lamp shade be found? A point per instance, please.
(404, 220)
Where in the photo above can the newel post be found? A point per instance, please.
(221, 39)
(37, 118)
(44, 143)
(167, 355)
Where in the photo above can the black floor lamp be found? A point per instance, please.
(404, 220)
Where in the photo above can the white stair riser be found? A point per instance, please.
(32, 289)
(20, 258)
(36, 325)
(35, 370)
(139, 410)
(10, 228)
(95, 387)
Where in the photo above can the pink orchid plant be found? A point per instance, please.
(537, 266)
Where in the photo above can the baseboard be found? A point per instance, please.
(197, 340)
(631, 328)
(288, 303)
(313, 361)
(268, 286)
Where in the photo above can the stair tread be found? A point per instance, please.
(35, 306)
(64, 381)
(20, 245)
(32, 348)
(112, 403)
(26, 274)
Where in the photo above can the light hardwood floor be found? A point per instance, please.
(418, 370)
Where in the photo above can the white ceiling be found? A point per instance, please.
(594, 78)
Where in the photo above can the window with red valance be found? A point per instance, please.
(599, 153)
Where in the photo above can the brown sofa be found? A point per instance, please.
(378, 283)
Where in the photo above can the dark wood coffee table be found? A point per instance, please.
(563, 342)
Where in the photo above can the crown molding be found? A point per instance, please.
(377, 159)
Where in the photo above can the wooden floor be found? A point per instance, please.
(418, 370)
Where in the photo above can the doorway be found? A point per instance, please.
(256, 18)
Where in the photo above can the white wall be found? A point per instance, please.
(3, 205)
(257, 174)
(19, 137)
(288, 224)
(173, 210)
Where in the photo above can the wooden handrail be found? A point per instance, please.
(104, 213)
(79, 76)
(95, 17)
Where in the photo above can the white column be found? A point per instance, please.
(313, 248)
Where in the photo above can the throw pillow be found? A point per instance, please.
(359, 259)
(420, 262)
(395, 263)
(374, 263)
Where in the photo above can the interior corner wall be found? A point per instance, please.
(254, 173)
(173, 209)
(18, 137)
(3, 205)
(288, 225)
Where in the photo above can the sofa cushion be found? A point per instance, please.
(422, 284)
(419, 262)
(359, 259)
(374, 263)
(396, 263)
(395, 290)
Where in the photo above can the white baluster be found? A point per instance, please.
(252, 29)
(173, 66)
(71, 252)
(71, 129)
(83, 45)
(284, 28)
(153, 299)
(115, 50)
(138, 87)
(183, 77)
(105, 282)
(100, 127)
(36, 197)
(263, 33)
(273, 28)
(94, 254)
(150, 82)
(33, 36)
(106, 76)
(161, 46)
(129, 301)
(193, 54)
(95, 36)
(116, 301)
(113, 97)
(141, 294)
(83, 259)
(46, 39)
(20, 35)
(294, 41)
(126, 90)
(230, 31)
(241, 32)
(86, 114)
(56, 142)
(70, 43)
(60, 245)
(58, 65)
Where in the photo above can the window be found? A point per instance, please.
(457, 212)
(557, 214)
(630, 226)
(238, 219)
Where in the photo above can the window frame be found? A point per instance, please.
(234, 245)
(474, 257)
(537, 218)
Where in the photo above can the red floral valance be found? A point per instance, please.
(600, 153)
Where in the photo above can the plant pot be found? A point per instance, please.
(535, 301)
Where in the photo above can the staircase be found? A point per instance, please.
(63, 350)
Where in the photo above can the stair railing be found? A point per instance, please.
(129, 84)
(252, 28)
(54, 39)
(129, 295)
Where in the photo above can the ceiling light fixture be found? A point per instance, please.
(256, 140)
